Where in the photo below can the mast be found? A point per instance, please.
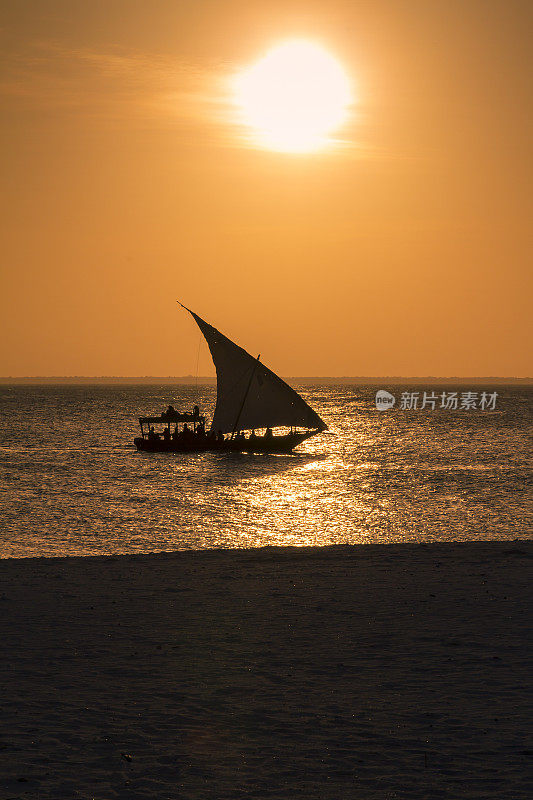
(245, 395)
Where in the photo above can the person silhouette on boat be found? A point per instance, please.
(166, 435)
(152, 435)
(200, 430)
(253, 436)
(169, 413)
(175, 434)
(196, 411)
(268, 433)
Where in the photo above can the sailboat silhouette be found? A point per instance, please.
(250, 397)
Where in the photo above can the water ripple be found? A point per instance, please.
(72, 483)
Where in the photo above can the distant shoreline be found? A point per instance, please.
(211, 380)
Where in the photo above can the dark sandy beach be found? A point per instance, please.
(345, 672)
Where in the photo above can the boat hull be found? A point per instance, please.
(273, 444)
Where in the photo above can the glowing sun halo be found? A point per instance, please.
(293, 97)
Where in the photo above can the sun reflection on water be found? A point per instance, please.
(381, 478)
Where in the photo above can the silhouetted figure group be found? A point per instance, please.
(197, 437)
(253, 437)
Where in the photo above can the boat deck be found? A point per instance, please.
(259, 444)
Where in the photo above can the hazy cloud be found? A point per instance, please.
(115, 85)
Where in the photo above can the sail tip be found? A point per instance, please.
(185, 307)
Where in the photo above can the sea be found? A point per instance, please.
(72, 482)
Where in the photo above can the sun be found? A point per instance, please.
(294, 98)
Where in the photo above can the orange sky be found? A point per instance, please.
(128, 184)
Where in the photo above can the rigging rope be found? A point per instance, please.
(197, 363)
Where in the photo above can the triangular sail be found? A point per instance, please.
(249, 395)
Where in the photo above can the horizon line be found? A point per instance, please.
(195, 378)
